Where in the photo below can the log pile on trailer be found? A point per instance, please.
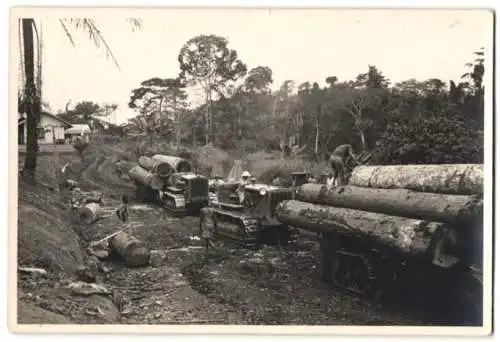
(169, 181)
(424, 221)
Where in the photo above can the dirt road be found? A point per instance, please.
(231, 286)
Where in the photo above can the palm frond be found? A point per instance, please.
(65, 28)
(136, 23)
(89, 26)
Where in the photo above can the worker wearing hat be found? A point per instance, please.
(244, 181)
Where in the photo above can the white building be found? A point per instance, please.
(78, 130)
(50, 130)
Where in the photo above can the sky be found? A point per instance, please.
(297, 44)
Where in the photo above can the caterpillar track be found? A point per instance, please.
(243, 229)
(173, 203)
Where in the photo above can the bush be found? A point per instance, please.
(80, 146)
(442, 139)
(284, 169)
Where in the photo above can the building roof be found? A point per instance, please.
(22, 119)
(78, 129)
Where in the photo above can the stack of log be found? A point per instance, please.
(428, 211)
(155, 171)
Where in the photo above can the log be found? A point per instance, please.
(397, 202)
(145, 177)
(92, 197)
(176, 163)
(146, 162)
(131, 250)
(89, 213)
(459, 179)
(427, 240)
(159, 168)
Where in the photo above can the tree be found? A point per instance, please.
(164, 101)
(31, 101)
(476, 99)
(441, 139)
(372, 79)
(206, 60)
(476, 73)
(331, 80)
(84, 111)
(259, 79)
(32, 93)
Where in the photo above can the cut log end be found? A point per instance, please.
(89, 213)
(130, 249)
(163, 170)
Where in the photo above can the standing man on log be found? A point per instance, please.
(338, 161)
(330, 180)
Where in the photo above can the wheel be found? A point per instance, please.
(352, 272)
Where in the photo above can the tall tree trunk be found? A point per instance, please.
(316, 140)
(207, 117)
(211, 115)
(363, 141)
(194, 135)
(32, 102)
(179, 129)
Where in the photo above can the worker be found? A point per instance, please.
(338, 161)
(122, 211)
(244, 181)
(207, 236)
(330, 180)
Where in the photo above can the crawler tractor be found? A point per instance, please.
(185, 193)
(251, 223)
(170, 182)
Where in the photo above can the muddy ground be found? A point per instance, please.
(229, 286)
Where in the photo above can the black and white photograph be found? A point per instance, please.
(252, 170)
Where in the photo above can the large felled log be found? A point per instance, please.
(89, 213)
(176, 163)
(133, 252)
(160, 168)
(460, 179)
(396, 202)
(429, 240)
(146, 162)
(145, 177)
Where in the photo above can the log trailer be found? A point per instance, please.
(405, 229)
(252, 223)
